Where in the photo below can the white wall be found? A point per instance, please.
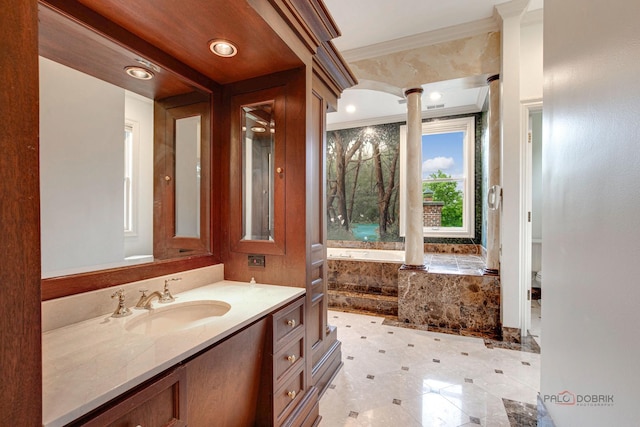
(531, 79)
(536, 175)
(81, 169)
(591, 174)
(522, 48)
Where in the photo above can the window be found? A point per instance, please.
(447, 177)
(131, 142)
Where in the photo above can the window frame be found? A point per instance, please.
(467, 126)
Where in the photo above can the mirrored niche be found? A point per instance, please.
(258, 173)
(258, 136)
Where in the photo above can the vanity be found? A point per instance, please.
(227, 142)
(227, 353)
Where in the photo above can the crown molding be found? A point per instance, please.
(402, 118)
(512, 9)
(442, 35)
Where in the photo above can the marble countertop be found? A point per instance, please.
(89, 363)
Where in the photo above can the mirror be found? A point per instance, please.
(258, 176)
(96, 172)
(105, 174)
(258, 129)
(188, 131)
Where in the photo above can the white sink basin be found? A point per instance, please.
(175, 317)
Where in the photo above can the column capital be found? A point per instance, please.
(413, 90)
(512, 9)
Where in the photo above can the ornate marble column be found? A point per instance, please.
(494, 160)
(414, 234)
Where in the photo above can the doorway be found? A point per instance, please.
(531, 276)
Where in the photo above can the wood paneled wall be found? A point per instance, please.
(20, 329)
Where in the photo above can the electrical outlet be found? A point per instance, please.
(256, 260)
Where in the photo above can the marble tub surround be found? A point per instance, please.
(361, 302)
(459, 304)
(86, 364)
(64, 311)
(373, 286)
(380, 278)
(363, 286)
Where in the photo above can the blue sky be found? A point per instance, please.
(442, 151)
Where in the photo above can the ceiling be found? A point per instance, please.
(171, 35)
(367, 23)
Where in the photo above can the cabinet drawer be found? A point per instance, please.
(307, 414)
(161, 403)
(287, 322)
(287, 397)
(289, 358)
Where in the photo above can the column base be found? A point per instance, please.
(490, 272)
(414, 267)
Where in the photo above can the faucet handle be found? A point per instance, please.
(119, 293)
(166, 293)
(121, 310)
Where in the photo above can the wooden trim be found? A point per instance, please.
(21, 360)
(277, 95)
(165, 242)
(57, 287)
(332, 69)
(310, 19)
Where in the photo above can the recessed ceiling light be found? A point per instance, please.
(258, 129)
(139, 73)
(435, 96)
(223, 48)
(350, 108)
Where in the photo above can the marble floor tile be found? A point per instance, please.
(396, 376)
(536, 320)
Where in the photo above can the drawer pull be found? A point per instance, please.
(291, 322)
(291, 358)
(292, 394)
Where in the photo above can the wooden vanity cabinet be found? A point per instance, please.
(285, 398)
(224, 380)
(158, 403)
(255, 377)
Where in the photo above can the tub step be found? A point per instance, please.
(374, 289)
(365, 302)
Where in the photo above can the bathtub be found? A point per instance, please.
(367, 255)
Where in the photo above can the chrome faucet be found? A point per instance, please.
(145, 300)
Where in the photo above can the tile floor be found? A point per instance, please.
(400, 377)
(536, 316)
